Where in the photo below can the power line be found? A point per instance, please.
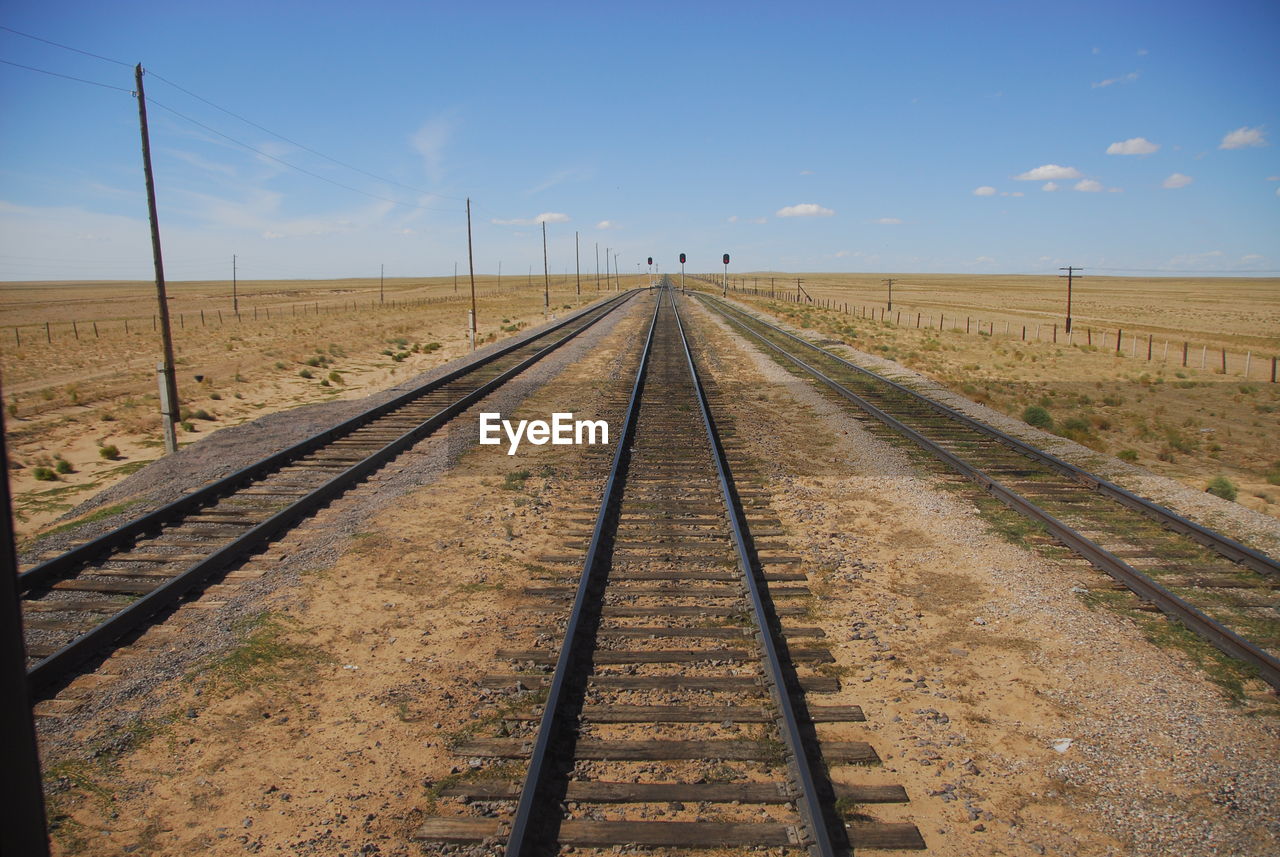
(294, 166)
(64, 47)
(296, 143)
(231, 113)
(67, 76)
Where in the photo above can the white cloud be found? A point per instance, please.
(429, 141)
(545, 217)
(571, 174)
(889, 221)
(1273, 178)
(1177, 180)
(271, 236)
(758, 220)
(733, 218)
(1115, 190)
(606, 224)
(804, 209)
(1278, 191)
(985, 190)
(840, 254)
(1142, 52)
(806, 172)
(1133, 146)
(1012, 193)
(1049, 172)
(1243, 137)
(1124, 78)
(1089, 186)
(1050, 186)
(1252, 257)
(984, 260)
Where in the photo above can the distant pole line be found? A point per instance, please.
(889, 283)
(235, 300)
(597, 266)
(577, 262)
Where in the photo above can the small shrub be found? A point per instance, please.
(1221, 486)
(335, 377)
(187, 425)
(1127, 455)
(109, 451)
(44, 474)
(63, 466)
(1273, 473)
(200, 414)
(1036, 415)
(429, 347)
(280, 364)
(324, 382)
(305, 373)
(217, 397)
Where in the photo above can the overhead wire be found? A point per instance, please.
(66, 76)
(235, 115)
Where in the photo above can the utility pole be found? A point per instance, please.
(546, 274)
(235, 302)
(1070, 275)
(471, 263)
(597, 266)
(577, 262)
(889, 283)
(617, 278)
(24, 832)
(168, 381)
(382, 275)
(499, 275)
(455, 278)
(607, 250)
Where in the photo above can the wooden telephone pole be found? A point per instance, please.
(546, 274)
(168, 381)
(1070, 275)
(472, 264)
(889, 283)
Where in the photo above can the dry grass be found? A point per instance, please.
(324, 340)
(1188, 423)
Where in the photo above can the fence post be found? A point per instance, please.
(1148, 348)
(917, 321)
(1185, 344)
(95, 331)
(1119, 335)
(1055, 332)
(17, 338)
(75, 329)
(1024, 333)
(48, 334)
(1248, 358)
(1224, 360)
(1204, 356)
(202, 324)
(966, 324)
(1273, 370)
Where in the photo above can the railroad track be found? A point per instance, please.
(1219, 588)
(80, 604)
(677, 712)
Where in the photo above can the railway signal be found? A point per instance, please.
(726, 275)
(682, 288)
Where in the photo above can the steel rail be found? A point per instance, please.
(46, 676)
(40, 575)
(1220, 636)
(1225, 545)
(808, 801)
(519, 840)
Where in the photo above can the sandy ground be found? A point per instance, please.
(323, 731)
(1188, 423)
(73, 399)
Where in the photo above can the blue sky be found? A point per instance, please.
(910, 137)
